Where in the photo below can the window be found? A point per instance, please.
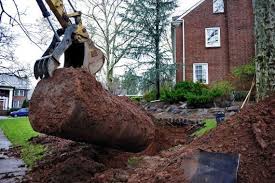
(218, 6)
(200, 73)
(213, 37)
(19, 93)
(16, 104)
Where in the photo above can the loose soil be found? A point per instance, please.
(73, 105)
(251, 133)
(69, 161)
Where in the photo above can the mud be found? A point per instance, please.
(69, 161)
(251, 133)
(73, 105)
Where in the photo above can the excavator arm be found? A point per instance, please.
(78, 48)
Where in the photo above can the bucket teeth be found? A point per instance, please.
(44, 67)
(35, 70)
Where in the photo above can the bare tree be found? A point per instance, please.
(106, 27)
(10, 17)
(8, 61)
(14, 18)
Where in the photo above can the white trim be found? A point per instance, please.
(222, 11)
(194, 72)
(10, 98)
(16, 104)
(183, 51)
(219, 40)
(6, 88)
(19, 92)
(190, 9)
(5, 103)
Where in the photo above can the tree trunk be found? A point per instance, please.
(157, 42)
(73, 105)
(265, 47)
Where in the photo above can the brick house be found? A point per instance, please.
(212, 38)
(13, 91)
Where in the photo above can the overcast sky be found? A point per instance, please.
(27, 52)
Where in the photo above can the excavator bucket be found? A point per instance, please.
(84, 55)
(77, 55)
(44, 67)
(78, 48)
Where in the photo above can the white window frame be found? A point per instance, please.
(218, 44)
(194, 72)
(20, 93)
(214, 7)
(16, 104)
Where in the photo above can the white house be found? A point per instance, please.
(13, 91)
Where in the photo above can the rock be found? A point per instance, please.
(152, 109)
(232, 113)
(167, 109)
(216, 110)
(202, 111)
(159, 110)
(176, 111)
(183, 105)
(73, 105)
(243, 149)
(171, 108)
(184, 112)
(233, 109)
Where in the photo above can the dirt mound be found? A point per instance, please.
(73, 105)
(69, 161)
(250, 133)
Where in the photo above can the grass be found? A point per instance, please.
(19, 131)
(209, 124)
(134, 161)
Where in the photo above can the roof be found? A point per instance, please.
(7, 80)
(190, 9)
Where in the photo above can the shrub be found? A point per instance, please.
(188, 86)
(196, 94)
(165, 91)
(239, 96)
(221, 88)
(173, 96)
(245, 71)
(25, 104)
(181, 90)
(204, 99)
(136, 98)
(150, 95)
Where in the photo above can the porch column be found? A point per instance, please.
(10, 99)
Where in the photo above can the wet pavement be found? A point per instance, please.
(12, 169)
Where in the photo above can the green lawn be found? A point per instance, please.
(19, 131)
(209, 124)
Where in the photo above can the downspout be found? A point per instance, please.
(183, 51)
(175, 23)
(226, 14)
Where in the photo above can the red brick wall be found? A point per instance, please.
(240, 32)
(237, 43)
(179, 61)
(217, 58)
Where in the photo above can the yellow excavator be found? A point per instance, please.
(72, 40)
